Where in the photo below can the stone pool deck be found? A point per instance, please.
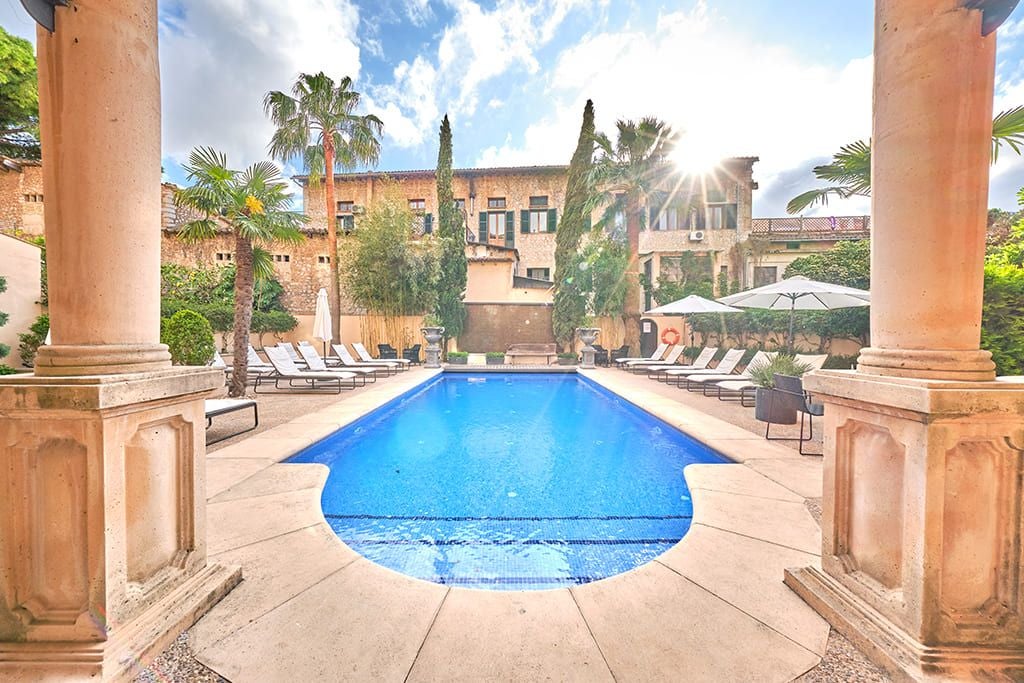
(712, 608)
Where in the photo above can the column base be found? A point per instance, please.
(933, 364)
(129, 647)
(105, 359)
(896, 651)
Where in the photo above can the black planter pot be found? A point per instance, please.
(458, 360)
(777, 409)
(495, 361)
(567, 361)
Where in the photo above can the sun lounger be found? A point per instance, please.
(704, 381)
(348, 361)
(744, 388)
(365, 356)
(701, 362)
(671, 359)
(329, 361)
(316, 364)
(725, 366)
(292, 353)
(312, 382)
(658, 354)
(223, 406)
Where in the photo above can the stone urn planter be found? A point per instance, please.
(588, 335)
(433, 335)
(773, 406)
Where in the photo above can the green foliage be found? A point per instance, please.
(189, 337)
(602, 274)
(763, 374)
(4, 348)
(220, 316)
(193, 285)
(452, 355)
(19, 98)
(1002, 318)
(694, 277)
(839, 362)
(29, 342)
(267, 291)
(847, 264)
(44, 280)
(277, 322)
(7, 370)
(495, 354)
(568, 355)
(570, 303)
(450, 310)
(387, 272)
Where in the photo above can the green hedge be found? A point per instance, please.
(189, 337)
(1002, 318)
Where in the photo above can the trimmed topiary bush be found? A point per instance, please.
(189, 337)
(29, 342)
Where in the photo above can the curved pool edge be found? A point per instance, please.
(652, 601)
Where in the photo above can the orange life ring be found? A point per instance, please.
(671, 336)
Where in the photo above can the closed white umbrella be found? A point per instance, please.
(692, 304)
(322, 319)
(799, 294)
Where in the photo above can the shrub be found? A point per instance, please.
(495, 354)
(7, 370)
(277, 322)
(221, 316)
(1002, 318)
(839, 362)
(763, 374)
(29, 342)
(567, 356)
(189, 337)
(458, 354)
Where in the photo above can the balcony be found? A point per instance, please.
(813, 229)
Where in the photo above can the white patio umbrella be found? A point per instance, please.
(322, 320)
(691, 304)
(799, 294)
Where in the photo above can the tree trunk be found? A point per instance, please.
(333, 291)
(243, 315)
(633, 290)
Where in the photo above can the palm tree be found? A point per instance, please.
(321, 111)
(850, 170)
(254, 205)
(625, 173)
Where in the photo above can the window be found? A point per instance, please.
(495, 202)
(722, 217)
(538, 221)
(323, 259)
(496, 225)
(282, 258)
(33, 198)
(223, 256)
(765, 275)
(417, 204)
(346, 223)
(716, 195)
(460, 204)
(539, 273)
(539, 201)
(346, 206)
(668, 219)
(672, 267)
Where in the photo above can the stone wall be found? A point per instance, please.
(19, 263)
(494, 327)
(21, 197)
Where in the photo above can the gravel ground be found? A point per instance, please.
(842, 662)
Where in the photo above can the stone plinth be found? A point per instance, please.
(921, 523)
(102, 521)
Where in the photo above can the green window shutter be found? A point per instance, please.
(524, 222)
(483, 227)
(428, 223)
(552, 219)
(730, 217)
(510, 228)
(350, 222)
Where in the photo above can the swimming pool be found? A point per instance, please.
(508, 481)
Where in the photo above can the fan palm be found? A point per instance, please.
(317, 123)
(850, 170)
(624, 174)
(254, 205)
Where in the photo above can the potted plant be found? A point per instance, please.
(567, 359)
(495, 357)
(458, 357)
(770, 406)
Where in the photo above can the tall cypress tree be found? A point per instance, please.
(570, 310)
(450, 309)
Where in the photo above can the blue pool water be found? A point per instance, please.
(508, 482)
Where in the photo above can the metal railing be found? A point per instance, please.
(812, 228)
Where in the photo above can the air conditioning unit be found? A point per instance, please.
(696, 235)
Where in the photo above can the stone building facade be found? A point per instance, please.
(520, 207)
(21, 196)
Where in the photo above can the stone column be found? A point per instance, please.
(922, 501)
(102, 456)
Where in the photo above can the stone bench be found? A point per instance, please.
(531, 354)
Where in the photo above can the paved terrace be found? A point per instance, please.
(712, 608)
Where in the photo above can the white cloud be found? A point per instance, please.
(727, 94)
(219, 64)
(408, 105)
(495, 103)
(418, 11)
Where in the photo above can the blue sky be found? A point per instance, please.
(786, 81)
